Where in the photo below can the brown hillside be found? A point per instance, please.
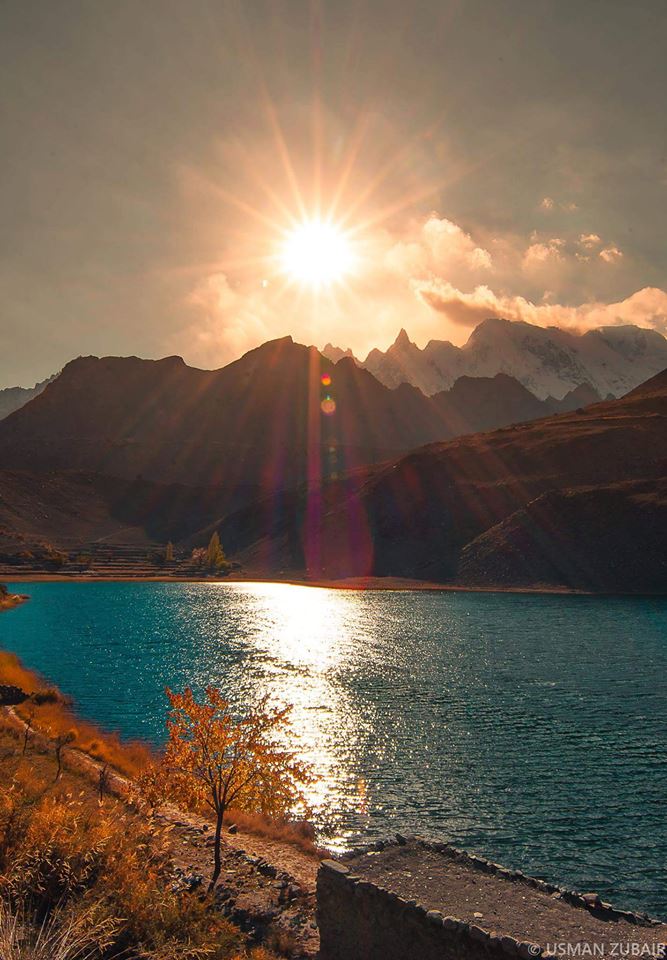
(419, 516)
(259, 420)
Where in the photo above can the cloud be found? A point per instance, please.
(646, 308)
(431, 276)
(539, 253)
(611, 254)
(590, 240)
(226, 322)
(548, 204)
(436, 246)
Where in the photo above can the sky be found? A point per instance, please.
(480, 158)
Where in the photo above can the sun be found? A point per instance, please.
(317, 253)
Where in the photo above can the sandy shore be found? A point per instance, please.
(349, 583)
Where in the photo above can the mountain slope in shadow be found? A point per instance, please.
(280, 415)
(576, 500)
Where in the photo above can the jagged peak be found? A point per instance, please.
(276, 342)
(334, 353)
(403, 340)
(438, 345)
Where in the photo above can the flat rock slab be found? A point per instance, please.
(498, 904)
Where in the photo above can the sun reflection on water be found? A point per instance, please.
(306, 639)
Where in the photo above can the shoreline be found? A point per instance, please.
(12, 600)
(374, 584)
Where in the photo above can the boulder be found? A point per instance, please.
(11, 696)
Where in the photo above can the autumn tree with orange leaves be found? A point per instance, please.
(216, 760)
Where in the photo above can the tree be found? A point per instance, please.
(61, 741)
(103, 781)
(213, 759)
(27, 729)
(215, 555)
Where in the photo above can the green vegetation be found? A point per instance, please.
(215, 555)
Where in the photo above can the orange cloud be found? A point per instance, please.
(430, 269)
(646, 308)
(611, 254)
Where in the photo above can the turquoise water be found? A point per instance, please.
(531, 729)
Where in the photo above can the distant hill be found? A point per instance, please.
(268, 419)
(13, 398)
(548, 361)
(578, 500)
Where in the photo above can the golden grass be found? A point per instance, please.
(92, 879)
(62, 936)
(51, 714)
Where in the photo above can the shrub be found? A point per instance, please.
(214, 759)
(60, 856)
(50, 695)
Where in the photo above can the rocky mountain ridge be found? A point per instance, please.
(548, 361)
(279, 415)
(13, 398)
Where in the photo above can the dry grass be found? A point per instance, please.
(83, 880)
(51, 714)
(62, 936)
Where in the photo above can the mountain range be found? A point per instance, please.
(548, 361)
(281, 414)
(312, 468)
(577, 500)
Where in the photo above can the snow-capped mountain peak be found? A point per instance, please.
(549, 361)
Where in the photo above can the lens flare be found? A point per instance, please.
(326, 380)
(328, 406)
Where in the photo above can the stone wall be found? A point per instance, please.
(359, 920)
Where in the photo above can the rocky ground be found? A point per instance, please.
(266, 887)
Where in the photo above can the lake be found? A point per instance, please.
(530, 729)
